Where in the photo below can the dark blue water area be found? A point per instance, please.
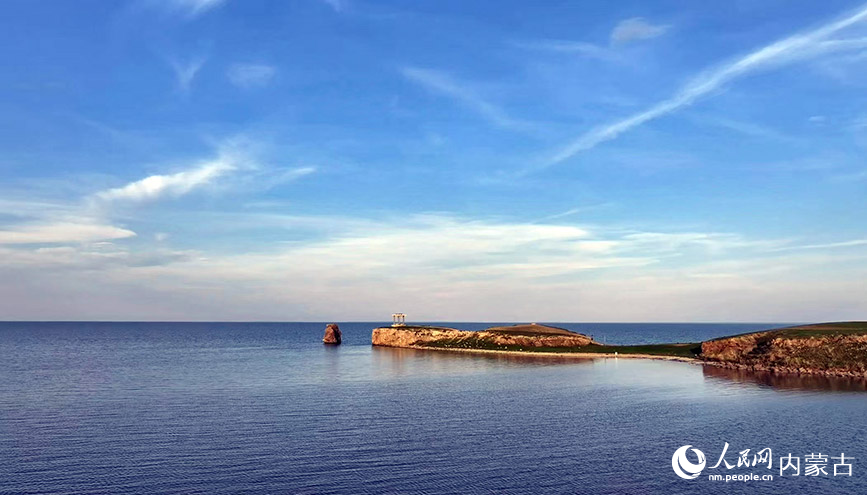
(265, 408)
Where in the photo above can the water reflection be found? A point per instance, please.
(403, 361)
(785, 381)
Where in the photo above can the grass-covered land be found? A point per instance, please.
(835, 348)
(812, 330)
(840, 328)
(826, 355)
(530, 329)
(689, 350)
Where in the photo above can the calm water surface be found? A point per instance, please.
(152, 408)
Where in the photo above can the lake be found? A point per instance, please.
(265, 408)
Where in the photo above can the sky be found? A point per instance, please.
(312, 160)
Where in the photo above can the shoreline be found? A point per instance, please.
(787, 371)
(681, 359)
(574, 355)
(836, 349)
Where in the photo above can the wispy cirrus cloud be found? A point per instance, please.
(282, 176)
(186, 72)
(750, 129)
(62, 232)
(589, 50)
(190, 8)
(444, 84)
(248, 76)
(829, 245)
(177, 184)
(787, 50)
(636, 28)
(234, 158)
(336, 5)
(433, 264)
(626, 31)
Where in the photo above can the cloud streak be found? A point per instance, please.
(193, 8)
(249, 76)
(443, 84)
(186, 72)
(636, 28)
(336, 5)
(433, 265)
(173, 185)
(62, 232)
(787, 50)
(830, 245)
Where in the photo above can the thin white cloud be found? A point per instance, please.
(99, 257)
(787, 50)
(189, 8)
(235, 159)
(575, 211)
(636, 28)
(680, 242)
(263, 178)
(747, 128)
(62, 232)
(457, 250)
(173, 185)
(250, 75)
(589, 50)
(830, 245)
(435, 267)
(289, 175)
(441, 83)
(336, 5)
(625, 31)
(185, 72)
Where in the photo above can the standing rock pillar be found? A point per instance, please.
(332, 334)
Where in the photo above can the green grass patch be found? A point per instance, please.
(689, 350)
(843, 328)
(803, 331)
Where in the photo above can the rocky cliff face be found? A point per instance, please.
(462, 339)
(844, 355)
(332, 334)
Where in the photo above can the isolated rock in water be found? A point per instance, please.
(332, 334)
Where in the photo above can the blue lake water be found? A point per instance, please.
(265, 408)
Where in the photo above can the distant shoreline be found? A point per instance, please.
(657, 357)
(574, 355)
(826, 349)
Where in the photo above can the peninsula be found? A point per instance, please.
(834, 349)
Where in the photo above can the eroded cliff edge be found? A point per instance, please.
(827, 348)
(518, 337)
(830, 349)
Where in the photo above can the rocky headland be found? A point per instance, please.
(830, 349)
(518, 337)
(838, 349)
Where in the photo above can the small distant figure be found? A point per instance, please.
(398, 320)
(332, 335)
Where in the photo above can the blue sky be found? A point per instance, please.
(345, 159)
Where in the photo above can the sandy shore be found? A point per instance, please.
(574, 355)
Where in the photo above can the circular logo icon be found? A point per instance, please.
(685, 469)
